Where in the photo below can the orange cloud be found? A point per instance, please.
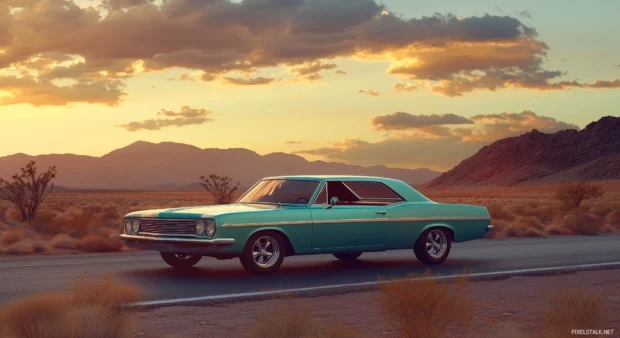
(35, 92)
(186, 116)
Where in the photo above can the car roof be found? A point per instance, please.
(329, 177)
(402, 188)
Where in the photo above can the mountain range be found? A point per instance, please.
(175, 166)
(534, 157)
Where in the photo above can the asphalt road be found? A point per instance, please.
(20, 276)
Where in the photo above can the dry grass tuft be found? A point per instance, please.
(505, 330)
(93, 310)
(572, 309)
(290, 321)
(93, 243)
(425, 307)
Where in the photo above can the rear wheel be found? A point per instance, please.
(180, 260)
(349, 256)
(263, 253)
(433, 246)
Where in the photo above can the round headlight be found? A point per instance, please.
(200, 228)
(127, 226)
(210, 229)
(135, 227)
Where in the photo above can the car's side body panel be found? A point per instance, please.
(342, 228)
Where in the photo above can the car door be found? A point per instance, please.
(347, 227)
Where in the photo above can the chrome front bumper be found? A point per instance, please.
(215, 241)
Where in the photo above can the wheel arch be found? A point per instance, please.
(444, 226)
(290, 250)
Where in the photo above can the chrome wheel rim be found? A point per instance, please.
(265, 252)
(183, 257)
(436, 243)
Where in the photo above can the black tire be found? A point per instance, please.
(180, 261)
(275, 248)
(425, 254)
(348, 257)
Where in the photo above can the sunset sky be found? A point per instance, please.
(403, 83)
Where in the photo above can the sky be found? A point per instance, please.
(399, 83)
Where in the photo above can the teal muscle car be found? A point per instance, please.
(303, 215)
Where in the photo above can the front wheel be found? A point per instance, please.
(349, 257)
(179, 260)
(263, 253)
(433, 246)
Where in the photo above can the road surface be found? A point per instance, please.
(20, 276)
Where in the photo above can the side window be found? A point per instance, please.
(373, 192)
(322, 198)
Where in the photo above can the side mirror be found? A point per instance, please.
(332, 201)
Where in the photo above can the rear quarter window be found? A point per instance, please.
(373, 191)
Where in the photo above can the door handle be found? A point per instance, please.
(381, 212)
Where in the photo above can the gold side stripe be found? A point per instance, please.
(360, 220)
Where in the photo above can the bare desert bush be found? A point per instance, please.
(27, 190)
(220, 188)
(422, 307)
(291, 321)
(570, 309)
(575, 193)
(94, 309)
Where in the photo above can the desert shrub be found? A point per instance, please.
(27, 190)
(580, 221)
(64, 241)
(93, 243)
(499, 211)
(220, 188)
(12, 236)
(525, 226)
(572, 309)
(425, 307)
(290, 321)
(94, 309)
(613, 218)
(574, 193)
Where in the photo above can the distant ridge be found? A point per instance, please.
(568, 155)
(176, 166)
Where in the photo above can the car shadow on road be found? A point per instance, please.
(360, 270)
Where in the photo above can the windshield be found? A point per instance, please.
(281, 191)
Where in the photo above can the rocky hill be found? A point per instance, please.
(535, 157)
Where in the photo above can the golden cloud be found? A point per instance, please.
(186, 116)
(369, 92)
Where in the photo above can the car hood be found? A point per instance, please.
(202, 211)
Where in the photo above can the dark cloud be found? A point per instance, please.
(231, 41)
(369, 92)
(186, 116)
(340, 72)
(405, 121)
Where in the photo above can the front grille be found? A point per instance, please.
(168, 226)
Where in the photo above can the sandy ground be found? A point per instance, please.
(519, 300)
